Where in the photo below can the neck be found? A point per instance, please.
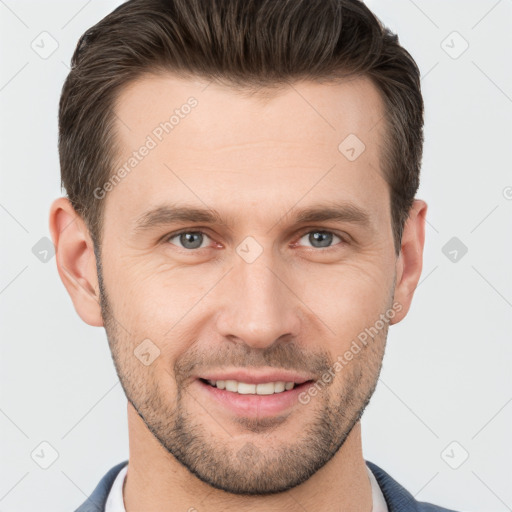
(156, 481)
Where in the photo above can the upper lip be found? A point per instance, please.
(253, 377)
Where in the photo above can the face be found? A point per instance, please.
(265, 285)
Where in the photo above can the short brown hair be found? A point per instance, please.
(248, 44)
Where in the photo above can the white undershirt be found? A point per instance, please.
(115, 501)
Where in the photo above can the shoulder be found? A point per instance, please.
(96, 501)
(428, 507)
(397, 497)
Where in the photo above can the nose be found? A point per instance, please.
(258, 305)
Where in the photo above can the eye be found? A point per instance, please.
(320, 239)
(193, 240)
(188, 239)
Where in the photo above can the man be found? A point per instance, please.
(241, 218)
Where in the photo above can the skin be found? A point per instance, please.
(297, 306)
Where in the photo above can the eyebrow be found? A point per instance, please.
(164, 215)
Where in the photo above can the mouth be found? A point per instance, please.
(251, 400)
(262, 389)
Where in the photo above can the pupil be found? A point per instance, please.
(322, 237)
(187, 241)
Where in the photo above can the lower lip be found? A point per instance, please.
(255, 406)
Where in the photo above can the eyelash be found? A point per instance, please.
(344, 240)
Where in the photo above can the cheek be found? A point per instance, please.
(145, 293)
(160, 304)
(348, 297)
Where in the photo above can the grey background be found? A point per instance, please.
(446, 387)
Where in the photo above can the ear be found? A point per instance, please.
(410, 261)
(76, 261)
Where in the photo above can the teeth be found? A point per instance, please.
(267, 388)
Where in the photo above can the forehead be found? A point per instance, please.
(306, 109)
(208, 143)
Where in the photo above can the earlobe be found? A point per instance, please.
(76, 261)
(410, 261)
